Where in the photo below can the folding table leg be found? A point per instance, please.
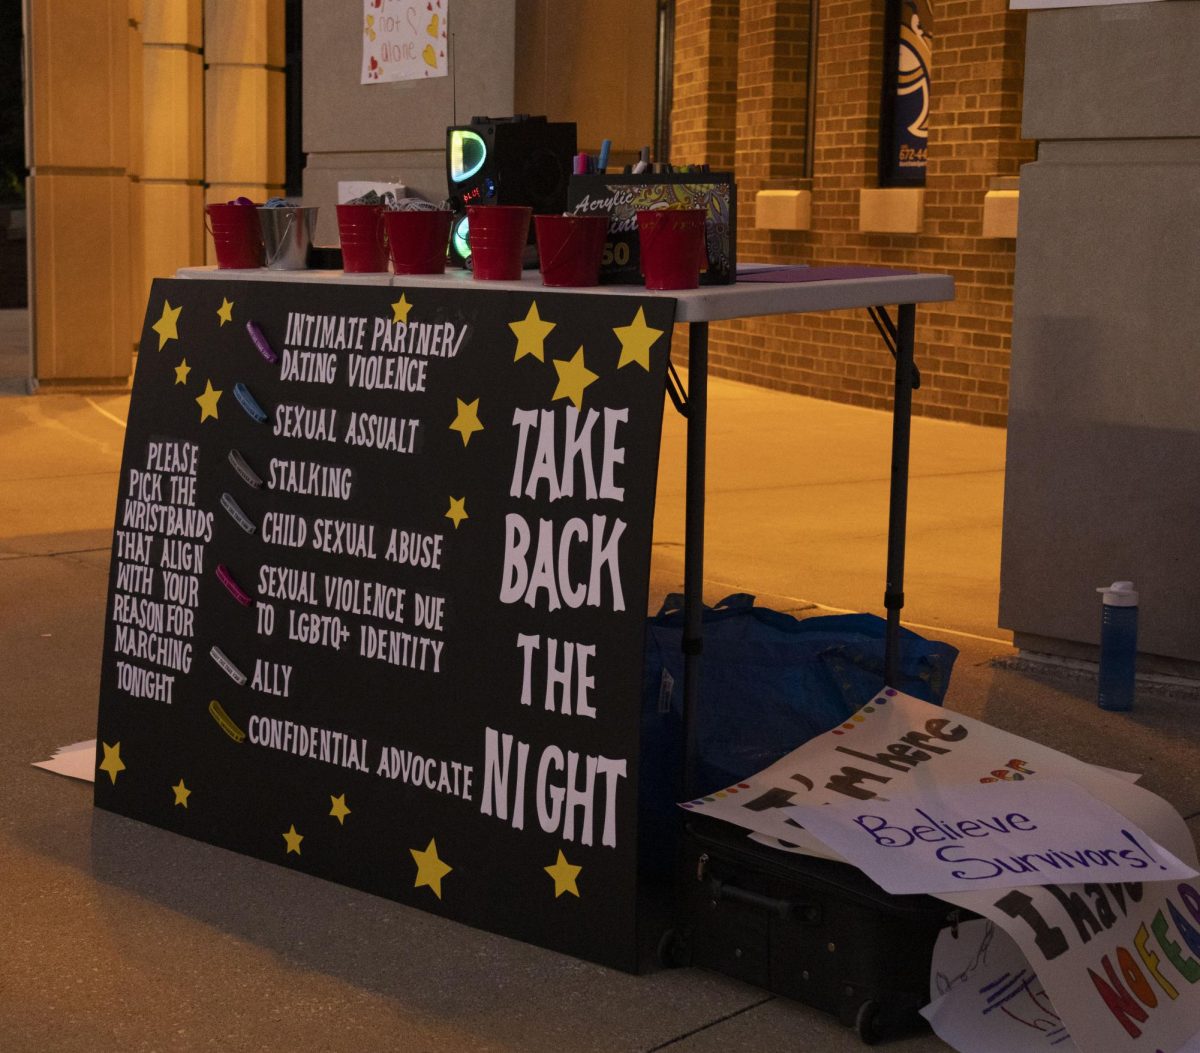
(893, 597)
(693, 542)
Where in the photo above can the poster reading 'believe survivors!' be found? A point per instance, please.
(379, 579)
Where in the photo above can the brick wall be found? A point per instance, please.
(962, 347)
(704, 92)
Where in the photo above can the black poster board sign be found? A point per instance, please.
(620, 197)
(376, 608)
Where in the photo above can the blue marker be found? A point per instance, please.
(248, 403)
(602, 160)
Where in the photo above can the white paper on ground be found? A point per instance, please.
(77, 761)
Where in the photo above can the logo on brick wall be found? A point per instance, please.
(904, 128)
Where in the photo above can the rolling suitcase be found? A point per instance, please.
(815, 930)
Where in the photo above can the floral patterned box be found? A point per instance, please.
(623, 196)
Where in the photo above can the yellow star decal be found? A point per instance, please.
(293, 840)
(531, 335)
(225, 311)
(339, 810)
(430, 869)
(564, 875)
(467, 421)
(182, 793)
(208, 401)
(167, 327)
(636, 340)
(573, 377)
(458, 510)
(181, 372)
(112, 762)
(400, 309)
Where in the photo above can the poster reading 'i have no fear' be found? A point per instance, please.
(379, 577)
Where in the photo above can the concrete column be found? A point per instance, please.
(79, 147)
(169, 190)
(396, 132)
(1103, 475)
(243, 100)
(607, 91)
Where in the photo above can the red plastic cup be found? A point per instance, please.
(672, 247)
(364, 242)
(237, 236)
(497, 235)
(418, 240)
(570, 249)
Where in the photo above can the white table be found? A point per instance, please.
(699, 307)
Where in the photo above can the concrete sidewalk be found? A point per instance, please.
(119, 936)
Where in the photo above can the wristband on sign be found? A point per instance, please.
(244, 470)
(235, 512)
(235, 674)
(248, 403)
(225, 722)
(260, 342)
(235, 590)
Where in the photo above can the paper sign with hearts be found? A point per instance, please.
(396, 40)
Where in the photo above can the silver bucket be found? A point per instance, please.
(287, 236)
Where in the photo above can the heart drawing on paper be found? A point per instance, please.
(432, 28)
(430, 56)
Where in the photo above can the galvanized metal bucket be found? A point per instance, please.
(287, 235)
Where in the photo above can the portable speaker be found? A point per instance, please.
(520, 160)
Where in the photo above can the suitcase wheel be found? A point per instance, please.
(867, 1022)
(673, 950)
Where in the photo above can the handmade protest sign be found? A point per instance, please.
(986, 998)
(378, 588)
(897, 745)
(964, 838)
(404, 40)
(1120, 960)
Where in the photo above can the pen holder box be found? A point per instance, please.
(621, 197)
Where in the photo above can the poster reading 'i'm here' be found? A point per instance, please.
(379, 576)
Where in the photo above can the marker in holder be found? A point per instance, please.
(260, 341)
(235, 674)
(235, 590)
(248, 474)
(249, 403)
(236, 513)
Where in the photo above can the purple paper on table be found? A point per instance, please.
(818, 274)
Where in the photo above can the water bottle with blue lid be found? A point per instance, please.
(1118, 646)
